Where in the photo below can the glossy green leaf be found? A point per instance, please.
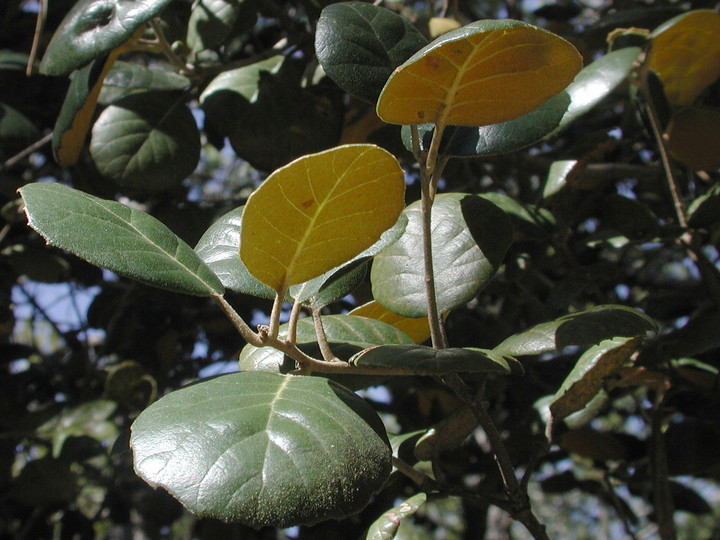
(212, 21)
(125, 78)
(528, 220)
(386, 526)
(94, 27)
(558, 176)
(493, 139)
(146, 142)
(486, 72)
(359, 45)
(281, 120)
(588, 376)
(356, 332)
(596, 81)
(219, 248)
(429, 361)
(111, 235)
(582, 329)
(264, 449)
(319, 212)
(470, 236)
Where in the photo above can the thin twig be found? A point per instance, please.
(322, 340)
(26, 152)
(239, 323)
(39, 26)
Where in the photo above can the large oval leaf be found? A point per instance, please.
(581, 329)
(114, 236)
(484, 73)
(685, 53)
(94, 27)
(264, 449)
(469, 235)
(219, 248)
(213, 21)
(147, 142)
(320, 211)
(126, 78)
(359, 45)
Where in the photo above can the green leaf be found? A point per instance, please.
(320, 211)
(469, 235)
(212, 21)
(90, 419)
(632, 218)
(281, 120)
(219, 248)
(582, 329)
(146, 142)
(359, 45)
(493, 139)
(264, 449)
(94, 27)
(386, 526)
(429, 361)
(116, 237)
(125, 78)
(596, 81)
(588, 376)
(356, 332)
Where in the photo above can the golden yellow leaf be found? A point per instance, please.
(319, 211)
(418, 329)
(685, 53)
(483, 73)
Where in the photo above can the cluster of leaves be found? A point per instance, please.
(563, 272)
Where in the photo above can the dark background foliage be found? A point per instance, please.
(82, 351)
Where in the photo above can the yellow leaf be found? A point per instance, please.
(417, 329)
(318, 212)
(685, 53)
(483, 73)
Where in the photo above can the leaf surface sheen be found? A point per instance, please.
(264, 449)
(113, 236)
(484, 73)
(320, 211)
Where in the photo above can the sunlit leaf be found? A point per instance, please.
(94, 27)
(417, 328)
(596, 81)
(359, 44)
(582, 329)
(146, 142)
(484, 73)
(386, 526)
(685, 53)
(219, 248)
(427, 360)
(588, 376)
(264, 449)
(470, 236)
(113, 236)
(320, 211)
